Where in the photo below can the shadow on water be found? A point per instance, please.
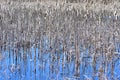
(33, 64)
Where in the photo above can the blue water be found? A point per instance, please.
(31, 64)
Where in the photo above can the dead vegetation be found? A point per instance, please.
(62, 28)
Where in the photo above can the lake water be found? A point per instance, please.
(30, 64)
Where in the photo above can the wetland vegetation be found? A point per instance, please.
(59, 41)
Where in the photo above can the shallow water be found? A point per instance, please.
(59, 41)
(30, 64)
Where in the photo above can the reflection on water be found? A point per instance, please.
(58, 41)
(33, 64)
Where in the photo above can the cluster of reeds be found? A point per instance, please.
(62, 29)
(66, 1)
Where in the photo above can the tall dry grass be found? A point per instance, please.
(62, 28)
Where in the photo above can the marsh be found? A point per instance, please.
(59, 40)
